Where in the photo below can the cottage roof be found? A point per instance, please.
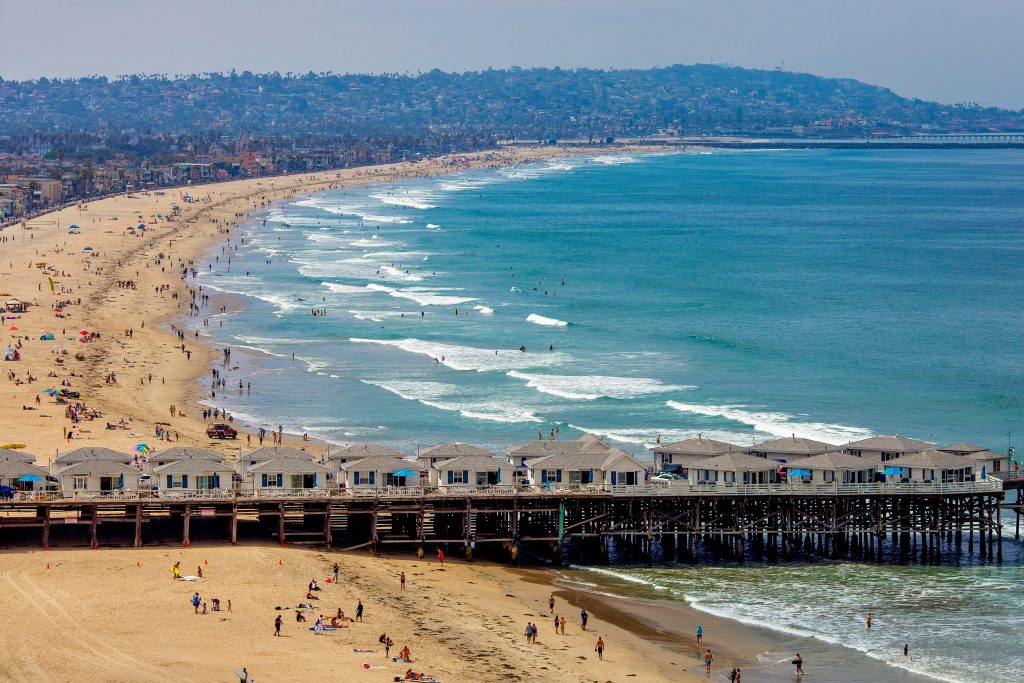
(963, 448)
(288, 466)
(738, 462)
(893, 444)
(274, 452)
(192, 466)
(696, 446)
(792, 445)
(983, 455)
(185, 453)
(21, 456)
(473, 462)
(932, 459)
(453, 450)
(12, 468)
(365, 450)
(835, 460)
(599, 461)
(588, 443)
(389, 464)
(101, 467)
(91, 453)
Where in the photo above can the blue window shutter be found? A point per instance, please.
(614, 478)
(465, 476)
(355, 481)
(120, 481)
(170, 482)
(280, 479)
(264, 480)
(591, 480)
(558, 476)
(498, 478)
(314, 480)
(451, 476)
(543, 476)
(184, 481)
(373, 478)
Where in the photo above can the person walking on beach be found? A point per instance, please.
(799, 661)
(195, 602)
(708, 661)
(337, 569)
(551, 604)
(359, 611)
(440, 556)
(561, 625)
(176, 570)
(401, 580)
(277, 625)
(599, 648)
(583, 618)
(700, 636)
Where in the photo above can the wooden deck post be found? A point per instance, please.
(186, 524)
(327, 525)
(280, 524)
(46, 527)
(93, 539)
(138, 525)
(233, 527)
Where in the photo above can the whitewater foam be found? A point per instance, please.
(446, 397)
(547, 322)
(593, 387)
(420, 296)
(469, 358)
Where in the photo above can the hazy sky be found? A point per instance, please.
(945, 50)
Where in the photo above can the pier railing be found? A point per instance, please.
(652, 488)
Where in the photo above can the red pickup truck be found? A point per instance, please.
(221, 431)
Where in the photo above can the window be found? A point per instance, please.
(624, 478)
(297, 481)
(855, 452)
(80, 483)
(458, 476)
(271, 481)
(206, 482)
(481, 478)
(177, 481)
(889, 455)
(575, 478)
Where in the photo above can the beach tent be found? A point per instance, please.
(47, 336)
(10, 354)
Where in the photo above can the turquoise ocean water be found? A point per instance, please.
(745, 296)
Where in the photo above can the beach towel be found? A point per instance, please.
(360, 650)
(189, 578)
(401, 661)
(324, 628)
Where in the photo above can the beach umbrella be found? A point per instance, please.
(87, 249)
(892, 471)
(31, 477)
(142, 226)
(143, 448)
(74, 227)
(799, 473)
(405, 473)
(83, 332)
(12, 327)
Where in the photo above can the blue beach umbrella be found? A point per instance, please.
(74, 227)
(892, 471)
(31, 477)
(799, 473)
(405, 473)
(87, 249)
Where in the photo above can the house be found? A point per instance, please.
(13, 469)
(734, 468)
(472, 470)
(930, 466)
(379, 472)
(835, 466)
(885, 448)
(445, 451)
(986, 462)
(192, 474)
(100, 475)
(690, 452)
(588, 444)
(612, 468)
(284, 474)
(789, 449)
(359, 451)
(11, 454)
(265, 453)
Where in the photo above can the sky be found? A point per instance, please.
(945, 50)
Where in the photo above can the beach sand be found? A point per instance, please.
(96, 615)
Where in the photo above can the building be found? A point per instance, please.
(567, 470)
(445, 451)
(191, 475)
(885, 448)
(689, 452)
(13, 469)
(732, 469)
(359, 451)
(835, 467)
(588, 444)
(789, 449)
(930, 466)
(97, 476)
(472, 471)
(283, 475)
(986, 462)
(379, 472)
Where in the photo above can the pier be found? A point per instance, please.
(650, 522)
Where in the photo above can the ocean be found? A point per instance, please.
(744, 296)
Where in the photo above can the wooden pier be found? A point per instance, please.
(871, 522)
